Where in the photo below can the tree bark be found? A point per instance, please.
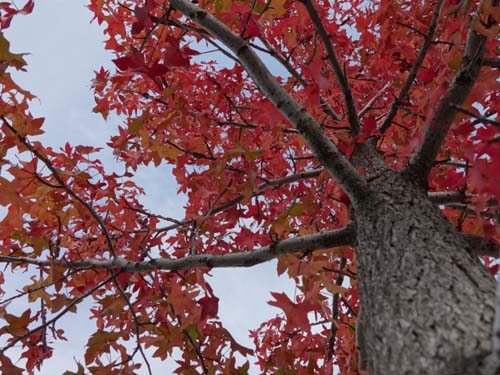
(427, 303)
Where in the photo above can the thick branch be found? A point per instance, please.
(352, 114)
(413, 73)
(325, 151)
(494, 63)
(459, 89)
(445, 197)
(338, 237)
(481, 246)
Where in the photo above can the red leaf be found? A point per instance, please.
(123, 279)
(122, 63)
(8, 367)
(209, 307)
(494, 269)
(296, 313)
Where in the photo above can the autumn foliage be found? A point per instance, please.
(251, 178)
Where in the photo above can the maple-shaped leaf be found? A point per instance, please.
(369, 129)
(235, 346)
(28, 8)
(253, 28)
(314, 70)
(123, 279)
(135, 62)
(7, 12)
(173, 56)
(80, 370)
(296, 313)
(142, 16)
(8, 368)
(209, 307)
(18, 325)
(10, 59)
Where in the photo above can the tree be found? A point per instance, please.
(368, 165)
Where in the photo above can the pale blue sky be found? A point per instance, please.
(64, 51)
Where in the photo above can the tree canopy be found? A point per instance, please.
(279, 119)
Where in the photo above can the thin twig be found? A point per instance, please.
(440, 122)
(482, 119)
(416, 66)
(369, 105)
(136, 325)
(295, 74)
(63, 184)
(197, 350)
(335, 311)
(335, 65)
(68, 307)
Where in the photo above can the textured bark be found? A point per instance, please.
(427, 304)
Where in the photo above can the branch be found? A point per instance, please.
(466, 208)
(436, 197)
(295, 74)
(335, 311)
(51, 321)
(137, 326)
(481, 246)
(482, 119)
(445, 197)
(413, 73)
(459, 89)
(494, 63)
(352, 114)
(312, 173)
(325, 151)
(338, 237)
(369, 105)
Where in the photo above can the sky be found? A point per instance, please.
(65, 49)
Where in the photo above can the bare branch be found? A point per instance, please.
(369, 105)
(482, 119)
(335, 311)
(468, 209)
(352, 114)
(416, 66)
(326, 152)
(135, 319)
(481, 246)
(295, 74)
(444, 197)
(338, 237)
(439, 124)
(494, 63)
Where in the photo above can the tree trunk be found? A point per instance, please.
(427, 304)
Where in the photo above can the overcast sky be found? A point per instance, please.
(64, 50)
